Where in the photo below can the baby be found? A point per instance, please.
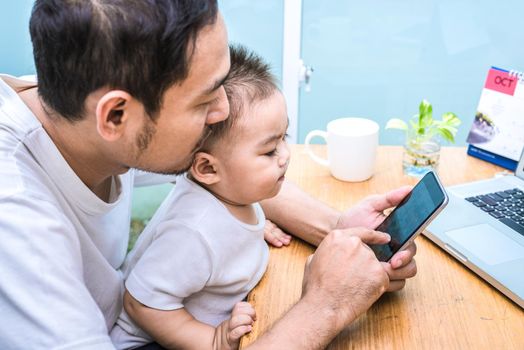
(204, 249)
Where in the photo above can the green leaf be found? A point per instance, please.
(423, 127)
(451, 119)
(449, 116)
(446, 135)
(444, 125)
(427, 121)
(425, 114)
(451, 129)
(425, 108)
(396, 123)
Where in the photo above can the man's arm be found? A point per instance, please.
(308, 218)
(298, 213)
(342, 281)
(344, 278)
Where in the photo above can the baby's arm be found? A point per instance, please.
(178, 329)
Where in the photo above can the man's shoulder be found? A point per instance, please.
(20, 173)
(29, 207)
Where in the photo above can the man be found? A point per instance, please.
(126, 85)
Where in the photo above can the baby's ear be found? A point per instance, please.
(204, 168)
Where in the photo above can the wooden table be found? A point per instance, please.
(446, 306)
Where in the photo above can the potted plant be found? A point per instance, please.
(423, 137)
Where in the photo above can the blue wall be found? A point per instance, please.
(376, 59)
(258, 25)
(380, 58)
(16, 56)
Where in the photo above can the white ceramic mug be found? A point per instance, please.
(351, 148)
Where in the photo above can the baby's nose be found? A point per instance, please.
(283, 162)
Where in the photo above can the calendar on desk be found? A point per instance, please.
(497, 132)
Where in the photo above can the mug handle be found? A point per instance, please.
(309, 137)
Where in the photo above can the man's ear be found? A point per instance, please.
(112, 114)
(205, 168)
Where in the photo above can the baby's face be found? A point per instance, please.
(258, 155)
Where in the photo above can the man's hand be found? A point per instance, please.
(275, 236)
(229, 332)
(401, 267)
(370, 213)
(344, 275)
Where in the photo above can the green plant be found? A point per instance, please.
(422, 127)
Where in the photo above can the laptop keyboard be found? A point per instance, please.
(506, 206)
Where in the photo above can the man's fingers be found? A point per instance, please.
(367, 236)
(407, 271)
(345, 274)
(401, 267)
(404, 256)
(390, 199)
(395, 286)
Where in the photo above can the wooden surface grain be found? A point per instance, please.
(446, 306)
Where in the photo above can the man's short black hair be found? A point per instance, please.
(249, 81)
(139, 46)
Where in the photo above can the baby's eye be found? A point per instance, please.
(271, 153)
(285, 137)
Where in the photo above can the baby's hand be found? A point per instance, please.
(240, 323)
(275, 236)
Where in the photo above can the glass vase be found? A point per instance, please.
(420, 157)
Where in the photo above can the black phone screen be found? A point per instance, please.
(409, 216)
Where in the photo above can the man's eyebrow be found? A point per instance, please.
(215, 86)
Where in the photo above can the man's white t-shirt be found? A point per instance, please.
(193, 254)
(60, 245)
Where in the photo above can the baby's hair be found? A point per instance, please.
(249, 81)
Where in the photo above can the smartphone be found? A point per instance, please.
(411, 216)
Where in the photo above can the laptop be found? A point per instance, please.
(483, 228)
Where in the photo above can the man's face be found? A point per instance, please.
(168, 144)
